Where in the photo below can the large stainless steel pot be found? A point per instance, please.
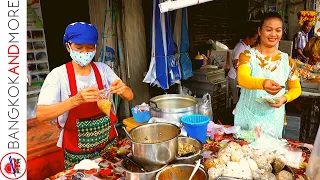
(173, 106)
(154, 143)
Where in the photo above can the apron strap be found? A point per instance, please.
(72, 79)
(97, 75)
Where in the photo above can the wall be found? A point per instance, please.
(293, 21)
(134, 38)
(219, 20)
(97, 16)
(57, 15)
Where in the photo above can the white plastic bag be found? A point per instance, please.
(31, 110)
(185, 91)
(266, 140)
(204, 106)
(313, 169)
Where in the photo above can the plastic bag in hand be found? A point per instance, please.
(105, 102)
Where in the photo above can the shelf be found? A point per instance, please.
(40, 72)
(37, 61)
(33, 90)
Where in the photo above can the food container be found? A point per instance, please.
(140, 116)
(209, 74)
(192, 158)
(155, 143)
(173, 106)
(181, 172)
(133, 173)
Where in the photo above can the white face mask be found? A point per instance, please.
(82, 58)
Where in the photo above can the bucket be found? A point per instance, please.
(196, 126)
(139, 116)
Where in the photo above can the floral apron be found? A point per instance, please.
(88, 132)
(250, 113)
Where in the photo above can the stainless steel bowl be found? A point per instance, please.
(155, 143)
(131, 173)
(189, 159)
(181, 172)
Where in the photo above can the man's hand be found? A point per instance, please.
(86, 95)
(271, 86)
(118, 87)
(280, 101)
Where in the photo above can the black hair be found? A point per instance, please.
(270, 15)
(249, 30)
(305, 23)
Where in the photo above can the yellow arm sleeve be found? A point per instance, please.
(244, 73)
(294, 90)
(293, 82)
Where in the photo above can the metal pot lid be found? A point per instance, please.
(173, 101)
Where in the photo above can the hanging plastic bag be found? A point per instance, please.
(186, 91)
(104, 101)
(31, 110)
(205, 107)
(313, 169)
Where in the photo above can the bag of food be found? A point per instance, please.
(284, 175)
(279, 164)
(313, 169)
(205, 106)
(104, 101)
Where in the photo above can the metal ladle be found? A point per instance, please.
(195, 169)
(128, 134)
(134, 163)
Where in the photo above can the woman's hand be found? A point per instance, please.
(118, 87)
(280, 101)
(86, 95)
(271, 86)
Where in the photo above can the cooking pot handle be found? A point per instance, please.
(152, 102)
(155, 106)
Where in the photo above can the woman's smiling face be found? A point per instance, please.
(271, 32)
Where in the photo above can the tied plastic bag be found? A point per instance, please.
(204, 106)
(266, 140)
(104, 101)
(185, 91)
(313, 169)
(218, 131)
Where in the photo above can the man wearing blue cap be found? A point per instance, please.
(70, 92)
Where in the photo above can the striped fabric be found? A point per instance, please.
(300, 41)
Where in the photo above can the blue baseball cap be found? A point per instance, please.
(81, 33)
